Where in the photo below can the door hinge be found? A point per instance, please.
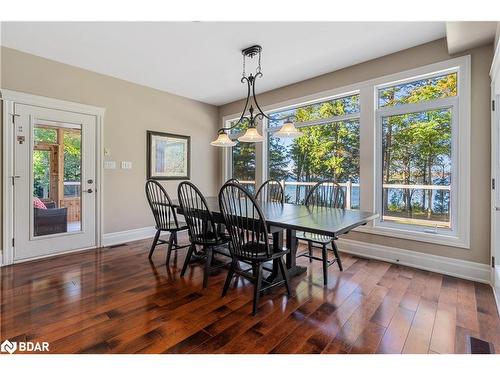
(493, 262)
(13, 242)
(492, 184)
(492, 105)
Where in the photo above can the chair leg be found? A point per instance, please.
(153, 245)
(208, 263)
(257, 287)
(175, 238)
(284, 273)
(310, 247)
(325, 264)
(171, 241)
(336, 252)
(229, 277)
(188, 258)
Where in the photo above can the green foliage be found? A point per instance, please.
(41, 159)
(41, 173)
(45, 135)
(244, 161)
(72, 156)
(328, 151)
(418, 91)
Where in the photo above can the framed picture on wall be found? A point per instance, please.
(168, 156)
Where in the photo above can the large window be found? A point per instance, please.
(398, 145)
(328, 148)
(418, 126)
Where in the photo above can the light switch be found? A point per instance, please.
(126, 165)
(110, 164)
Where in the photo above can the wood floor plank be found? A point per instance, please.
(419, 336)
(395, 335)
(443, 334)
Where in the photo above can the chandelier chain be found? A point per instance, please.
(244, 73)
(259, 68)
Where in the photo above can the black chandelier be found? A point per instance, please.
(252, 134)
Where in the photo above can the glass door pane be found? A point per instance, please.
(56, 168)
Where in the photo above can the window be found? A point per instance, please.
(328, 148)
(416, 162)
(242, 157)
(405, 136)
(418, 165)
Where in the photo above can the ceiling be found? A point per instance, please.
(463, 35)
(202, 60)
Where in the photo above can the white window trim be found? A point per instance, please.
(368, 152)
(459, 235)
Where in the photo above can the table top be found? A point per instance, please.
(320, 220)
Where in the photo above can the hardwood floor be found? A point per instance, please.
(114, 300)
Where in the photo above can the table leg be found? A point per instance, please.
(291, 259)
(277, 246)
(291, 265)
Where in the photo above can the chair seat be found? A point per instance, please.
(209, 238)
(313, 237)
(259, 251)
(172, 227)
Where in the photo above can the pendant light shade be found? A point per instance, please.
(223, 140)
(251, 135)
(288, 130)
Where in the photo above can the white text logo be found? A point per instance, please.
(11, 347)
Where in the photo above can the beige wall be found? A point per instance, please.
(130, 110)
(480, 135)
(497, 34)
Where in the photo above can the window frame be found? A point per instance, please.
(459, 235)
(445, 103)
(370, 147)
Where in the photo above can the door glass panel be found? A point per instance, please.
(57, 159)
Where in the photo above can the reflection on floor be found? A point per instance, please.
(114, 300)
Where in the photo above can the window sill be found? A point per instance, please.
(438, 239)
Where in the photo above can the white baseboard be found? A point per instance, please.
(116, 238)
(447, 266)
(496, 288)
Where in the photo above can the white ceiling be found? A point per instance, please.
(202, 60)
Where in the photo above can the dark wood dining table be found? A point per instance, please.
(291, 218)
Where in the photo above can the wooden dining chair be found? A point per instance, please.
(201, 227)
(235, 180)
(271, 191)
(323, 194)
(249, 244)
(165, 217)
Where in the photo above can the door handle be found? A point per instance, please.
(497, 208)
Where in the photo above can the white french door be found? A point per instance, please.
(54, 181)
(495, 218)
